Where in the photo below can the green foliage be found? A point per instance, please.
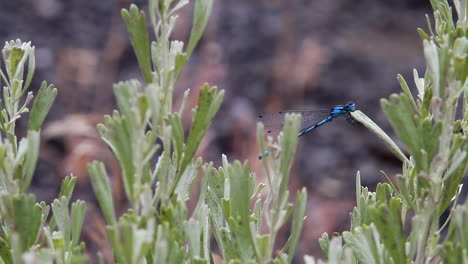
(42, 105)
(25, 232)
(453, 250)
(382, 230)
(135, 21)
(365, 243)
(200, 20)
(157, 228)
(366, 121)
(239, 229)
(398, 223)
(417, 134)
(387, 219)
(24, 216)
(103, 190)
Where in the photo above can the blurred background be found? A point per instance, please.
(268, 55)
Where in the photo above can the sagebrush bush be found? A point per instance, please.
(398, 223)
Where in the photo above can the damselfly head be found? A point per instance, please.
(350, 107)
